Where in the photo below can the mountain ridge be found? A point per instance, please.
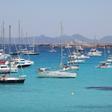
(43, 39)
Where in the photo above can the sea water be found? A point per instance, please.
(90, 91)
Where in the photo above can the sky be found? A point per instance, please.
(90, 18)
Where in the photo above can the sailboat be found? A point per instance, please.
(17, 46)
(6, 77)
(20, 62)
(4, 60)
(52, 49)
(32, 49)
(46, 73)
(107, 63)
(69, 65)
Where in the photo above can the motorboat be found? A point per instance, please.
(4, 56)
(52, 50)
(109, 59)
(70, 67)
(68, 46)
(94, 52)
(76, 61)
(81, 56)
(10, 80)
(104, 65)
(6, 69)
(22, 62)
(30, 52)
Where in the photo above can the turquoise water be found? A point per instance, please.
(60, 95)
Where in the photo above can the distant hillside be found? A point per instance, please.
(79, 37)
(64, 39)
(106, 39)
(42, 39)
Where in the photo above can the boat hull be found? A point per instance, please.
(11, 81)
(31, 53)
(19, 66)
(56, 74)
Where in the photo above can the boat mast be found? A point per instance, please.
(10, 47)
(19, 31)
(3, 35)
(0, 35)
(9, 39)
(26, 35)
(34, 44)
(61, 35)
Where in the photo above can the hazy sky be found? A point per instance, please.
(87, 17)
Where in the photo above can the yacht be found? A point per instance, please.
(22, 62)
(104, 65)
(109, 59)
(7, 79)
(76, 61)
(30, 52)
(68, 46)
(6, 69)
(4, 56)
(45, 73)
(52, 50)
(94, 52)
(70, 67)
(81, 56)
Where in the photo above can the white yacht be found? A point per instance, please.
(109, 59)
(4, 56)
(104, 65)
(11, 80)
(70, 67)
(6, 69)
(76, 61)
(94, 52)
(45, 73)
(81, 56)
(30, 52)
(22, 62)
(52, 50)
(68, 46)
